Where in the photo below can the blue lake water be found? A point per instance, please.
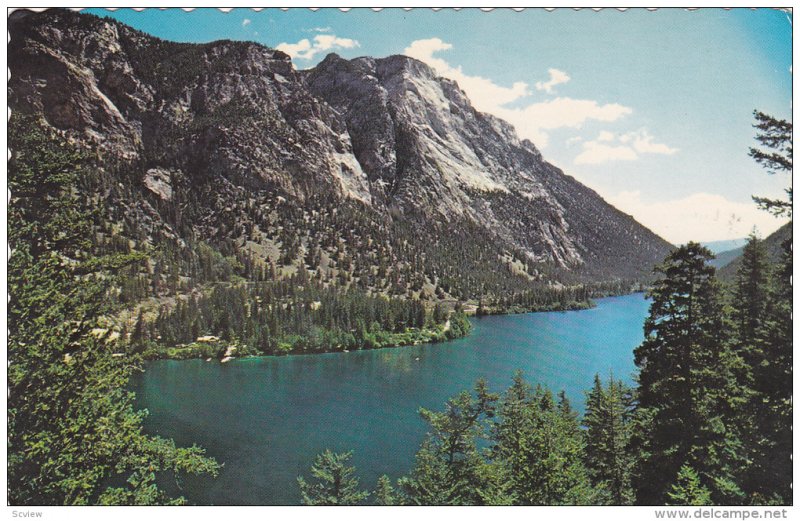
(266, 418)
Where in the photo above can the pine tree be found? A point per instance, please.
(765, 328)
(384, 492)
(748, 316)
(772, 383)
(776, 135)
(334, 481)
(449, 467)
(539, 443)
(687, 490)
(138, 336)
(750, 297)
(608, 431)
(684, 379)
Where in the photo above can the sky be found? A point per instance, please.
(652, 109)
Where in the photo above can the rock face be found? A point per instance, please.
(201, 127)
(423, 145)
(226, 108)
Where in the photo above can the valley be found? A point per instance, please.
(235, 270)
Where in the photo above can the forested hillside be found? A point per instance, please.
(709, 421)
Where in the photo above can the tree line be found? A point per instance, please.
(296, 315)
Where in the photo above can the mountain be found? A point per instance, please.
(725, 257)
(772, 243)
(724, 251)
(422, 143)
(717, 247)
(368, 173)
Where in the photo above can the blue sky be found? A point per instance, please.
(651, 109)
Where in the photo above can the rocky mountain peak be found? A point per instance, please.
(389, 134)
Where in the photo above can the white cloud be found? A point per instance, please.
(306, 49)
(531, 121)
(557, 77)
(296, 50)
(595, 153)
(625, 147)
(698, 217)
(643, 143)
(572, 113)
(423, 50)
(246, 22)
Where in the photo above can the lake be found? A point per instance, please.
(266, 418)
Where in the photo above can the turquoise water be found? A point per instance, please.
(266, 418)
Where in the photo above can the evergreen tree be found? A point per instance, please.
(748, 316)
(607, 435)
(684, 381)
(430, 481)
(72, 424)
(334, 481)
(776, 135)
(750, 297)
(450, 469)
(771, 474)
(687, 490)
(138, 336)
(384, 492)
(538, 441)
(769, 477)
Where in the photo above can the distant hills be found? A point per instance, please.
(717, 247)
(724, 258)
(730, 261)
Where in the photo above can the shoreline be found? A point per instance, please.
(436, 336)
(441, 333)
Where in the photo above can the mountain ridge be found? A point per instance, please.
(339, 169)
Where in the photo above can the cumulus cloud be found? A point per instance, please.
(531, 121)
(557, 77)
(573, 113)
(624, 147)
(246, 22)
(535, 119)
(698, 217)
(306, 49)
(595, 152)
(643, 143)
